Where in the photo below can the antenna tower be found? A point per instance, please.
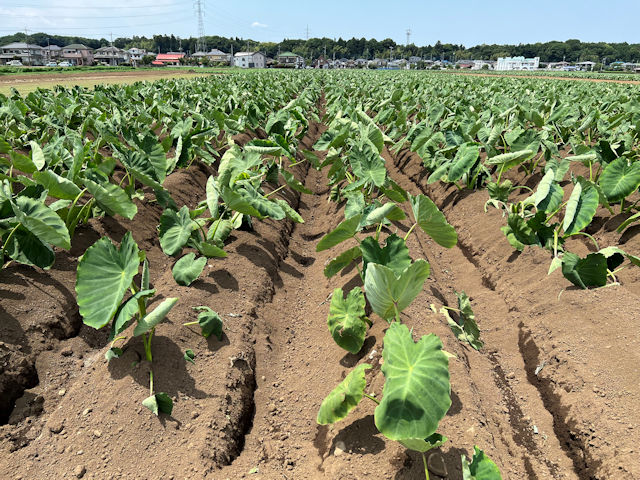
(199, 7)
(408, 36)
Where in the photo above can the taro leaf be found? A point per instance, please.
(189, 356)
(263, 205)
(126, 311)
(175, 230)
(419, 445)
(289, 211)
(113, 352)
(342, 261)
(355, 204)
(389, 211)
(465, 158)
(581, 207)
(238, 203)
(620, 179)
(396, 192)
(22, 162)
(210, 322)
(511, 238)
(111, 198)
(549, 195)
(219, 231)
(585, 272)
(294, 183)
(104, 275)
(628, 222)
(41, 221)
(394, 255)
(509, 160)
(212, 196)
(367, 165)
(188, 269)
(342, 232)
(345, 397)
(150, 320)
(433, 221)
(467, 329)
(208, 249)
(24, 247)
(389, 294)
(480, 468)
(500, 191)
(160, 402)
(347, 320)
(615, 257)
(417, 393)
(59, 187)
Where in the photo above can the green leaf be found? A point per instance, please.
(188, 269)
(37, 155)
(112, 199)
(175, 230)
(210, 322)
(585, 272)
(347, 320)
(432, 221)
(126, 311)
(43, 222)
(289, 211)
(417, 393)
(104, 275)
(509, 160)
(467, 329)
(219, 231)
(59, 187)
(24, 247)
(212, 196)
(342, 232)
(367, 165)
(209, 250)
(189, 356)
(465, 158)
(620, 179)
(389, 211)
(480, 468)
(419, 445)
(294, 183)
(581, 207)
(388, 293)
(345, 397)
(238, 203)
(160, 402)
(394, 255)
(113, 352)
(150, 320)
(22, 162)
(628, 222)
(342, 261)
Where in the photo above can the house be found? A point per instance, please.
(480, 64)
(27, 53)
(558, 65)
(289, 59)
(321, 62)
(171, 58)
(465, 64)
(51, 53)
(136, 54)
(377, 63)
(586, 66)
(77, 54)
(111, 56)
(517, 63)
(249, 60)
(215, 55)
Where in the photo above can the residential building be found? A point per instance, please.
(321, 62)
(215, 55)
(27, 53)
(290, 59)
(518, 63)
(77, 54)
(465, 64)
(558, 65)
(51, 53)
(111, 56)
(171, 58)
(249, 60)
(586, 66)
(136, 54)
(480, 64)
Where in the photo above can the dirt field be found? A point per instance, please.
(29, 82)
(553, 395)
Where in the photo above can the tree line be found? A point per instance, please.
(555, 51)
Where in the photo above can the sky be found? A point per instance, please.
(466, 22)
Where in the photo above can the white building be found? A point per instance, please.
(136, 54)
(480, 64)
(518, 63)
(249, 60)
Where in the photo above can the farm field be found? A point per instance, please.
(192, 266)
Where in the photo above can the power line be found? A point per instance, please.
(115, 27)
(155, 6)
(74, 17)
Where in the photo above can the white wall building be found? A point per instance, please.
(518, 63)
(249, 60)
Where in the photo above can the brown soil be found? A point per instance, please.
(553, 395)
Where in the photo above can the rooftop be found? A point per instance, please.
(22, 45)
(77, 46)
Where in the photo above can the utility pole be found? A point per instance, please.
(26, 41)
(111, 38)
(307, 32)
(408, 36)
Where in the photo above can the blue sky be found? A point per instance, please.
(457, 21)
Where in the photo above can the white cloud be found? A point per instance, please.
(259, 25)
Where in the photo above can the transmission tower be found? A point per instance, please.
(199, 7)
(408, 36)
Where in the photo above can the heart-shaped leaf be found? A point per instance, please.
(465, 158)
(344, 398)
(394, 255)
(150, 320)
(342, 232)
(210, 322)
(620, 179)
(112, 199)
(419, 445)
(432, 221)
(388, 293)
(175, 230)
(41, 221)
(126, 311)
(585, 272)
(581, 207)
(188, 268)
(341, 261)
(159, 403)
(347, 321)
(480, 468)
(416, 394)
(104, 275)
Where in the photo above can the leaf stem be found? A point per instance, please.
(370, 397)
(4, 246)
(426, 469)
(410, 231)
(275, 191)
(190, 323)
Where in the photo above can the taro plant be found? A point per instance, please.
(105, 274)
